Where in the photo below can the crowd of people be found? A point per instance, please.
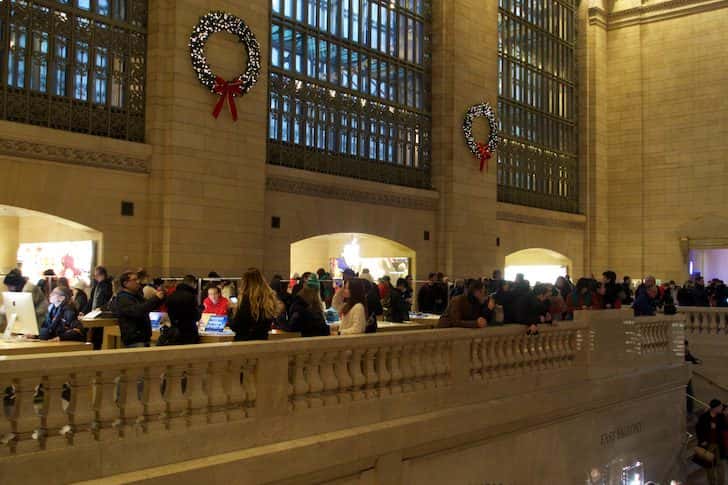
(300, 304)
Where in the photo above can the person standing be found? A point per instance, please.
(132, 310)
(15, 281)
(307, 311)
(398, 310)
(257, 308)
(351, 303)
(466, 310)
(710, 428)
(215, 303)
(184, 313)
(426, 296)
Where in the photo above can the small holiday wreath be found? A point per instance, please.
(482, 151)
(212, 23)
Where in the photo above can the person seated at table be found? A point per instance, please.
(61, 321)
(132, 310)
(351, 303)
(466, 310)
(183, 315)
(257, 308)
(307, 311)
(399, 307)
(215, 303)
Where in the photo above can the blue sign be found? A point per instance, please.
(216, 323)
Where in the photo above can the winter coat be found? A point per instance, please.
(183, 315)
(248, 328)
(463, 311)
(101, 293)
(132, 312)
(399, 308)
(310, 322)
(62, 322)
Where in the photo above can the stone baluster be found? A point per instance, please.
(41, 400)
(8, 418)
(215, 388)
(418, 366)
(521, 356)
(395, 359)
(196, 409)
(300, 386)
(370, 373)
(441, 356)
(175, 402)
(509, 357)
(106, 411)
(328, 378)
(56, 418)
(236, 390)
(358, 380)
(476, 362)
(315, 383)
(153, 399)
(383, 373)
(430, 369)
(250, 386)
(27, 421)
(125, 393)
(561, 348)
(549, 352)
(343, 376)
(487, 355)
(499, 369)
(408, 371)
(723, 325)
(78, 408)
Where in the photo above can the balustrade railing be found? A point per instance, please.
(53, 402)
(705, 320)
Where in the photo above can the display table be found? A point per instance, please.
(101, 323)
(404, 326)
(112, 337)
(425, 319)
(25, 347)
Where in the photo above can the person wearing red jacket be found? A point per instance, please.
(215, 303)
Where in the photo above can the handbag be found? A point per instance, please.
(703, 457)
(168, 336)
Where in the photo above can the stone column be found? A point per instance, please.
(464, 72)
(208, 175)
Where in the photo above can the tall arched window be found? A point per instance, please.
(76, 65)
(349, 88)
(537, 161)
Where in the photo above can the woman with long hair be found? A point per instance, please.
(257, 308)
(351, 303)
(307, 311)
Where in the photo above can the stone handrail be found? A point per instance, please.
(119, 404)
(705, 320)
(52, 402)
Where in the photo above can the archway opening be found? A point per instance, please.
(709, 263)
(36, 242)
(537, 265)
(336, 252)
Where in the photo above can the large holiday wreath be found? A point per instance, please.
(482, 151)
(212, 23)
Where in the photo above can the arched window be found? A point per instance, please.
(76, 65)
(537, 161)
(349, 88)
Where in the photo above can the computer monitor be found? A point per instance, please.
(20, 313)
(157, 318)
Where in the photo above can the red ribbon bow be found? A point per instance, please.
(227, 90)
(483, 155)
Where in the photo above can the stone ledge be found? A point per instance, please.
(666, 10)
(539, 217)
(41, 143)
(302, 182)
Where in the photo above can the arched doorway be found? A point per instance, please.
(35, 242)
(537, 265)
(335, 252)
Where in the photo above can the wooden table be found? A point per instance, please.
(102, 323)
(404, 326)
(112, 337)
(425, 319)
(25, 347)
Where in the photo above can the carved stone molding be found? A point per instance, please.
(75, 156)
(330, 191)
(653, 12)
(539, 220)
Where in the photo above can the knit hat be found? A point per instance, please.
(715, 403)
(313, 282)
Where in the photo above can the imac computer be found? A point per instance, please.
(20, 313)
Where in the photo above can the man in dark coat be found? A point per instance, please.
(466, 310)
(132, 311)
(710, 428)
(398, 309)
(101, 291)
(643, 304)
(532, 308)
(184, 313)
(426, 296)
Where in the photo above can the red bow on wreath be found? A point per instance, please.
(483, 155)
(227, 90)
